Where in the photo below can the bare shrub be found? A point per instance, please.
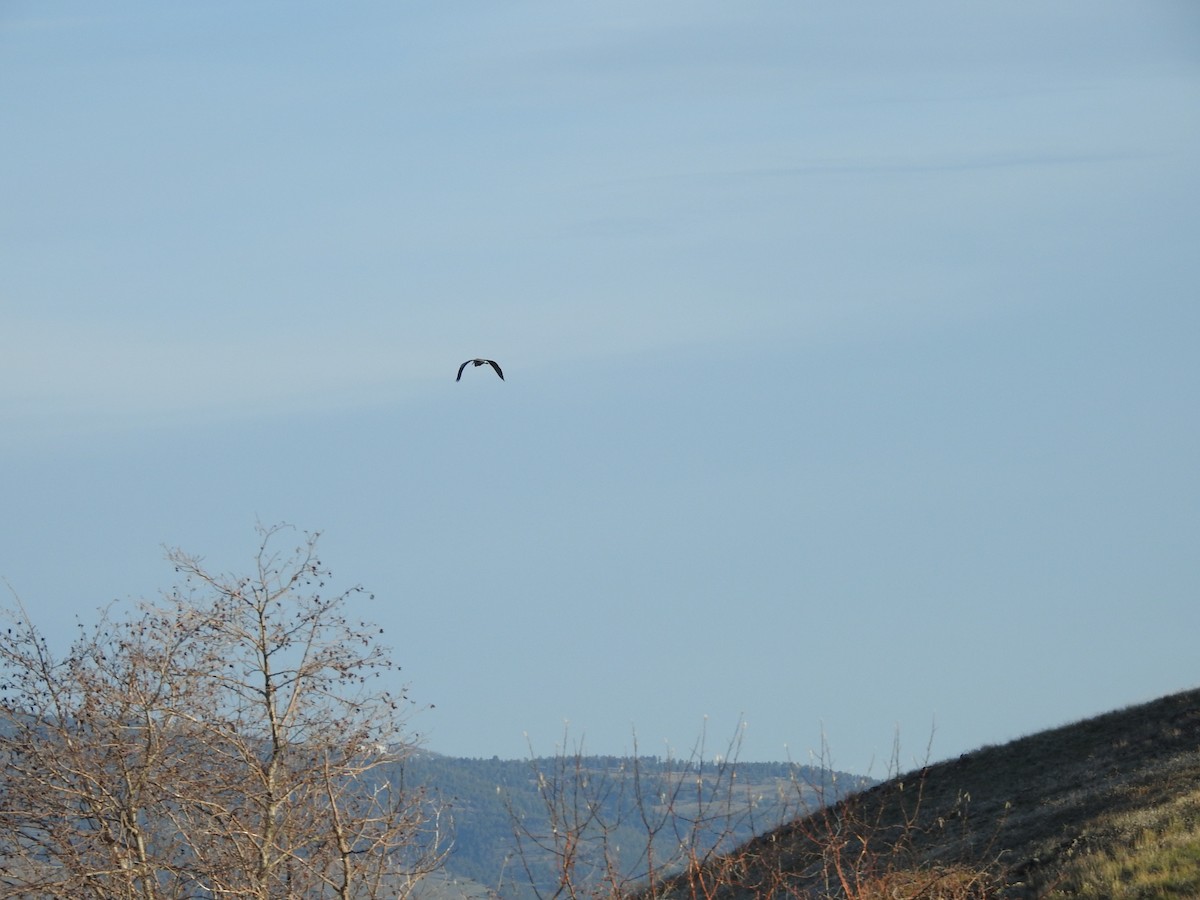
(892, 840)
(682, 834)
(601, 831)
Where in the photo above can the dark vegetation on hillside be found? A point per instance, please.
(1107, 807)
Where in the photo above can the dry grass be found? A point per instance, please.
(1152, 852)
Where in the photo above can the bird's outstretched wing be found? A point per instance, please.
(496, 366)
(463, 366)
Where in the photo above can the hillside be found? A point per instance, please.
(1106, 807)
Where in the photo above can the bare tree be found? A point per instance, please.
(603, 832)
(234, 739)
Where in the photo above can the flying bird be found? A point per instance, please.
(480, 362)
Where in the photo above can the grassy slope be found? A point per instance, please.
(1106, 807)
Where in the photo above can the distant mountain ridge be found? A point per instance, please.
(486, 798)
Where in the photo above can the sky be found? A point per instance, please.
(850, 350)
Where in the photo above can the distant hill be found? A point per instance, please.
(605, 798)
(1104, 808)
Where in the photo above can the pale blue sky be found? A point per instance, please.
(851, 349)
